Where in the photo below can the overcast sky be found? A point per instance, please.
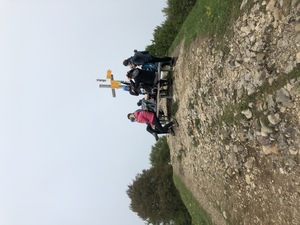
(67, 150)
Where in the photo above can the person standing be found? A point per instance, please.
(141, 58)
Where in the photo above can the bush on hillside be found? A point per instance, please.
(164, 35)
(160, 153)
(155, 198)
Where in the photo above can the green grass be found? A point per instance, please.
(208, 18)
(199, 216)
(175, 107)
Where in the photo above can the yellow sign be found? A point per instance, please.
(108, 74)
(114, 84)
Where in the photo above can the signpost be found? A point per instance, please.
(114, 84)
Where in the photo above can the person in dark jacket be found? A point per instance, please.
(142, 77)
(131, 90)
(141, 58)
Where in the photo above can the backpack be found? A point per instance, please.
(150, 67)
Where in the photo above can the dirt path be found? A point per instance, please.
(237, 148)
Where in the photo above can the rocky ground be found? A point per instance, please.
(238, 144)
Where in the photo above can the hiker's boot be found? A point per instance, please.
(171, 131)
(175, 123)
(155, 136)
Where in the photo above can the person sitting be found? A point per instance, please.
(142, 77)
(147, 104)
(152, 121)
(142, 57)
(150, 67)
(131, 90)
(154, 66)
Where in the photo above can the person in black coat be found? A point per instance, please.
(142, 77)
(141, 58)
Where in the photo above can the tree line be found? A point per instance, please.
(153, 194)
(164, 34)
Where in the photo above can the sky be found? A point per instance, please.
(67, 150)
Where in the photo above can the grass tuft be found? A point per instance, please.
(208, 18)
(199, 216)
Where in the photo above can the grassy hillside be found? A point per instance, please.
(208, 18)
(199, 216)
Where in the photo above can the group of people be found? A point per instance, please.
(143, 79)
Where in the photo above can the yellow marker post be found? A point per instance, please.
(114, 84)
(108, 74)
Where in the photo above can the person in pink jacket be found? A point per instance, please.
(150, 118)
